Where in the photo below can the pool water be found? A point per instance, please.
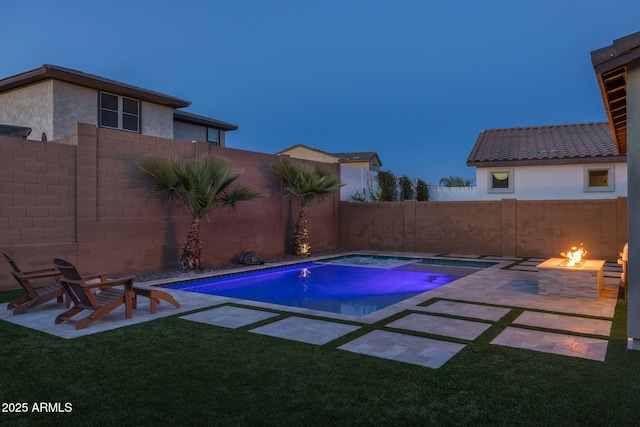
(341, 289)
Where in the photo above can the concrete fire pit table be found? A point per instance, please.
(582, 281)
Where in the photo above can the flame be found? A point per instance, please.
(574, 255)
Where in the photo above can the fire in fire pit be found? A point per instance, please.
(574, 257)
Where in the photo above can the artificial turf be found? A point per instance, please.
(170, 371)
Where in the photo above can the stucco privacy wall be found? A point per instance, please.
(84, 199)
(508, 227)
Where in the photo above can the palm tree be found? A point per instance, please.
(202, 186)
(309, 184)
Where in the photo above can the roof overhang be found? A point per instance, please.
(15, 131)
(48, 72)
(543, 162)
(194, 119)
(610, 64)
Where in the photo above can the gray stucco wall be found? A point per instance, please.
(30, 106)
(54, 107)
(190, 132)
(156, 120)
(72, 104)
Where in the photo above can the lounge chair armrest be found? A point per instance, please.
(102, 276)
(84, 284)
(102, 284)
(41, 275)
(41, 271)
(120, 280)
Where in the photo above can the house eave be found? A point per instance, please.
(610, 65)
(52, 72)
(554, 161)
(194, 119)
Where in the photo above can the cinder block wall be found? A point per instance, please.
(532, 228)
(84, 199)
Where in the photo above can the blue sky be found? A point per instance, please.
(414, 80)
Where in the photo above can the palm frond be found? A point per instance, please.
(309, 183)
(201, 184)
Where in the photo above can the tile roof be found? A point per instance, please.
(545, 144)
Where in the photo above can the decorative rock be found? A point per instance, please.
(250, 258)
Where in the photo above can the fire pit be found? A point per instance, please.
(571, 276)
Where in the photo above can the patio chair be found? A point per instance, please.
(35, 295)
(81, 290)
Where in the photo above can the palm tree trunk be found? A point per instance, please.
(192, 250)
(300, 238)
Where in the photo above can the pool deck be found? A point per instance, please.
(426, 330)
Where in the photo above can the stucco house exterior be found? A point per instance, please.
(617, 69)
(368, 160)
(559, 162)
(50, 100)
(358, 170)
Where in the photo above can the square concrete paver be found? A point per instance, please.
(474, 311)
(548, 342)
(311, 331)
(565, 323)
(524, 286)
(229, 317)
(404, 348)
(447, 327)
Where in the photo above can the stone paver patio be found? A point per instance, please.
(404, 348)
(445, 326)
(459, 311)
(311, 331)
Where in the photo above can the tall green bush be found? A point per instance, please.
(422, 191)
(388, 186)
(406, 188)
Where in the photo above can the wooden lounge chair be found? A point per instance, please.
(35, 295)
(82, 288)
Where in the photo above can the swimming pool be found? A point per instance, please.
(340, 285)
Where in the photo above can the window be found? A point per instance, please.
(501, 181)
(213, 136)
(118, 112)
(598, 178)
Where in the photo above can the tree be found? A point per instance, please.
(406, 188)
(388, 186)
(422, 191)
(455, 181)
(201, 186)
(309, 184)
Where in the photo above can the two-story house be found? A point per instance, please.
(45, 103)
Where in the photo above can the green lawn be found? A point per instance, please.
(174, 372)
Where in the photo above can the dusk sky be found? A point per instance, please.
(415, 81)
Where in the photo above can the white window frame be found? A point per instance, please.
(610, 169)
(508, 189)
(120, 112)
(217, 142)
